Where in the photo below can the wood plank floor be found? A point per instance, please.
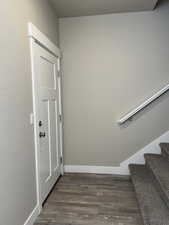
(90, 199)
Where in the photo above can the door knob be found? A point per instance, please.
(42, 134)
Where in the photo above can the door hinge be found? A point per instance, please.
(61, 160)
(60, 118)
(58, 67)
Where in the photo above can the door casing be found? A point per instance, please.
(37, 37)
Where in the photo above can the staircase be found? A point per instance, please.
(151, 183)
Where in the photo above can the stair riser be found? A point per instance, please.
(158, 185)
(164, 154)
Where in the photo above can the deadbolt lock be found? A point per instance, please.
(40, 123)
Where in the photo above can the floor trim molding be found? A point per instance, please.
(137, 158)
(33, 216)
(92, 169)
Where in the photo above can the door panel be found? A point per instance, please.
(48, 113)
(54, 136)
(47, 78)
(45, 152)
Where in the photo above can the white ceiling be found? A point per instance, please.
(71, 8)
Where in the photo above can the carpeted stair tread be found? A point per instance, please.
(153, 209)
(159, 167)
(165, 150)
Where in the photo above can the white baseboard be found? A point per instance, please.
(137, 158)
(33, 216)
(91, 169)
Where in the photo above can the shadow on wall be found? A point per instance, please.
(161, 3)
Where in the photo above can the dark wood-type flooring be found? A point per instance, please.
(90, 199)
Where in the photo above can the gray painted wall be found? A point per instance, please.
(110, 64)
(17, 160)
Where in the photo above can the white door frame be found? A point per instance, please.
(36, 36)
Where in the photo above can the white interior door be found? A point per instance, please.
(47, 114)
